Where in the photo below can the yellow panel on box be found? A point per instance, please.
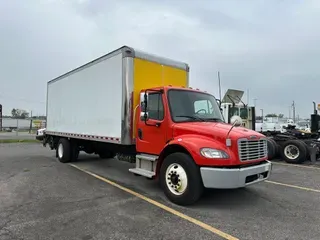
(148, 74)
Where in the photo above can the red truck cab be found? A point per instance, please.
(182, 139)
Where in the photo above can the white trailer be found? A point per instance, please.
(96, 102)
(88, 102)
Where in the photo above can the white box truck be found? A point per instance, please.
(140, 107)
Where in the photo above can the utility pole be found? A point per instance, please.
(30, 128)
(294, 111)
(0, 117)
(289, 111)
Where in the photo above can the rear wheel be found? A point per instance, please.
(64, 150)
(272, 149)
(276, 146)
(180, 179)
(307, 150)
(74, 151)
(294, 151)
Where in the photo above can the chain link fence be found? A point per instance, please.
(12, 127)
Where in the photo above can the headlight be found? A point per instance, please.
(213, 153)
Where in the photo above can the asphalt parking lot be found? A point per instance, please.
(41, 198)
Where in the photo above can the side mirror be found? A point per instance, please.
(236, 121)
(144, 116)
(144, 106)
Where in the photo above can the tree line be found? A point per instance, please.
(280, 115)
(22, 114)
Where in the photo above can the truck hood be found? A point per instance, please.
(215, 130)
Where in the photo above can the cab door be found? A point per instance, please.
(151, 134)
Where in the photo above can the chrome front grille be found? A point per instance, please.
(252, 149)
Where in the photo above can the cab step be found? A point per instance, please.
(145, 165)
(142, 172)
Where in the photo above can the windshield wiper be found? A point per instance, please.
(214, 119)
(192, 117)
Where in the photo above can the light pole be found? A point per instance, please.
(290, 112)
(294, 111)
(261, 114)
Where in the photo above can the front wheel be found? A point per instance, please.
(180, 179)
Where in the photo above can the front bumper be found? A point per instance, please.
(228, 178)
(39, 137)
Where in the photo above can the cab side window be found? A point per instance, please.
(155, 106)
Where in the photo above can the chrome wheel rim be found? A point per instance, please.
(176, 179)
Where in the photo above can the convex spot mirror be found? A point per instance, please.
(219, 104)
(236, 121)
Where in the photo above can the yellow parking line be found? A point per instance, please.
(296, 165)
(294, 186)
(160, 205)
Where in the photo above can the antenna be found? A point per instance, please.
(219, 85)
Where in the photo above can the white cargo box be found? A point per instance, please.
(96, 100)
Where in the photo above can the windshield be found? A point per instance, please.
(187, 106)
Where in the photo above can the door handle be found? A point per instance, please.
(140, 133)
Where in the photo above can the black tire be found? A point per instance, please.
(301, 157)
(307, 150)
(271, 149)
(107, 154)
(194, 189)
(276, 147)
(74, 151)
(66, 150)
(279, 150)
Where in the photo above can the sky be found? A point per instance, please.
(269, 48)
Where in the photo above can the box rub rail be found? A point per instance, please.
(250, 150)
(86, 137)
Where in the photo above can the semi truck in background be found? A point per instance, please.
(140, 107)
(283, 140)
(232, 105)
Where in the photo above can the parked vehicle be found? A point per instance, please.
(288, 143)
(140, 107)
(40, 134)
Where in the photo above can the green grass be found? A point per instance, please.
(21, 131)
(19, 141)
